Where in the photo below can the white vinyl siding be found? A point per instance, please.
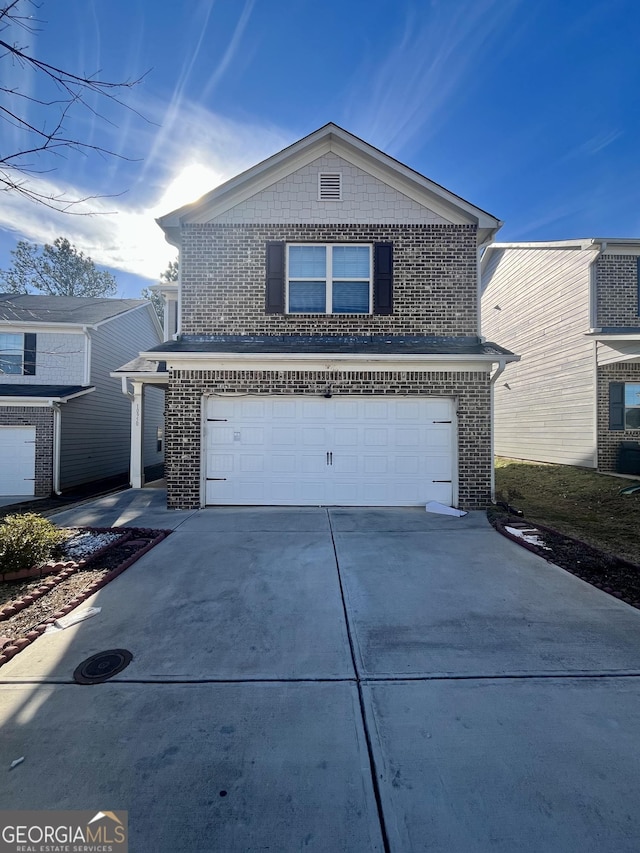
(95, 436)
(536, 303)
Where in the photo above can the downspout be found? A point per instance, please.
(57, 445)
(593, 322)
(502, 363)
(87, 356)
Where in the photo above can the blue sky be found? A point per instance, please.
(529, 110)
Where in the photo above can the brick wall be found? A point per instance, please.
(184, 417)
(617, 278)
(42, 420)
(608, 441)
(223, 280)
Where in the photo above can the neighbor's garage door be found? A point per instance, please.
(366, 451)
(17, 460)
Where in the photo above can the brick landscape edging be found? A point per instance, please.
(155, 536)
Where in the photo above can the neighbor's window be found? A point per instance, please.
(11, 353)
(632, 405)
(329, 279)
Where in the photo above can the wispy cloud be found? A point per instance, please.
(412, 91)
(594, 145)
(229, 53)
(195, 151)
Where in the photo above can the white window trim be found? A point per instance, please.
(329, 280)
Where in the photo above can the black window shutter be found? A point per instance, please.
(29, 362)
(383, 278)
(616, 405)
(638, 281)
(274, 302)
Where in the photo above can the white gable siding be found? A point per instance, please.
(96, 428)
(59, 359)
(536, 303)
(365, 199)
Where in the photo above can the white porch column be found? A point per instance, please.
(136, 474)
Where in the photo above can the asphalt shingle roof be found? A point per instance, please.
(31, 308)
(44, 391)
(360, 344)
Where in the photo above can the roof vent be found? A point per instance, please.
(329, 186)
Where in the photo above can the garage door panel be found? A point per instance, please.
(337, 451)
(345, 436)
(281, 464)
(314, 437)
(375, 437)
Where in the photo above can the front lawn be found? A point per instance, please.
(575, 501)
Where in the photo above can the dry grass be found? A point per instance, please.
(575, 501)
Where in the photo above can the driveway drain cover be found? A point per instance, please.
(102, 667)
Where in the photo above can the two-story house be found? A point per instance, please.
(328, 350)
(571, 310)
(64, 421)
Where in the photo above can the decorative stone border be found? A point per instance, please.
(152, 537)
(43, 571)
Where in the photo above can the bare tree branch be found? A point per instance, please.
(44, 138)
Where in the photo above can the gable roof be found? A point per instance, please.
(330, 138)
(75, 310)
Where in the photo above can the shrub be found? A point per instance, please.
(27, 540)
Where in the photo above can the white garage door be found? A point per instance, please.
(356, 451)
(17, 460)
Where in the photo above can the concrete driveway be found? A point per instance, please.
(336, 680)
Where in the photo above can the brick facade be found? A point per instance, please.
(184, 417)
(42, 420)
(617, 302)
(608, 441)
(223, 280)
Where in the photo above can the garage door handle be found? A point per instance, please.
(441, 481)
(441, 422)
(329, 458)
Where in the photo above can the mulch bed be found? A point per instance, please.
(613, 575)
(27, 606)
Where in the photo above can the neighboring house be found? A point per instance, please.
(571, 311)
(328, 350)
(64, 421)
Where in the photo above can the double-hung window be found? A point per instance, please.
(17, 354)
(11, 353)
(332, 278)
(632, 405)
